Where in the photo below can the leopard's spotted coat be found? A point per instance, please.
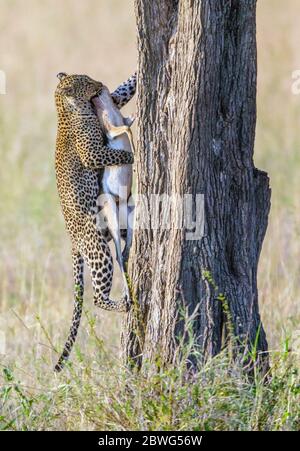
(80, 153)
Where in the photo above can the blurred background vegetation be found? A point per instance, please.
(97, 37)
(38, 40)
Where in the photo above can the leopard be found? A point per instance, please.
(82, 152)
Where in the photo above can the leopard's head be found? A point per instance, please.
(75, 92)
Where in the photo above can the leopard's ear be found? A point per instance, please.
(61, 75)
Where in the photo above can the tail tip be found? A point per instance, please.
(58, 367)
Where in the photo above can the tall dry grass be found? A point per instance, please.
(38, 40)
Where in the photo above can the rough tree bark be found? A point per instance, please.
(196, 110)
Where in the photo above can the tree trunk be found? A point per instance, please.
(196, 112)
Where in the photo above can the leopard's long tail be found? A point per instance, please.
(77, 311)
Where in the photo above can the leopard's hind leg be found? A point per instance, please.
(97, 255)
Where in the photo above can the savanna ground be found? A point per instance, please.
(38, 40)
